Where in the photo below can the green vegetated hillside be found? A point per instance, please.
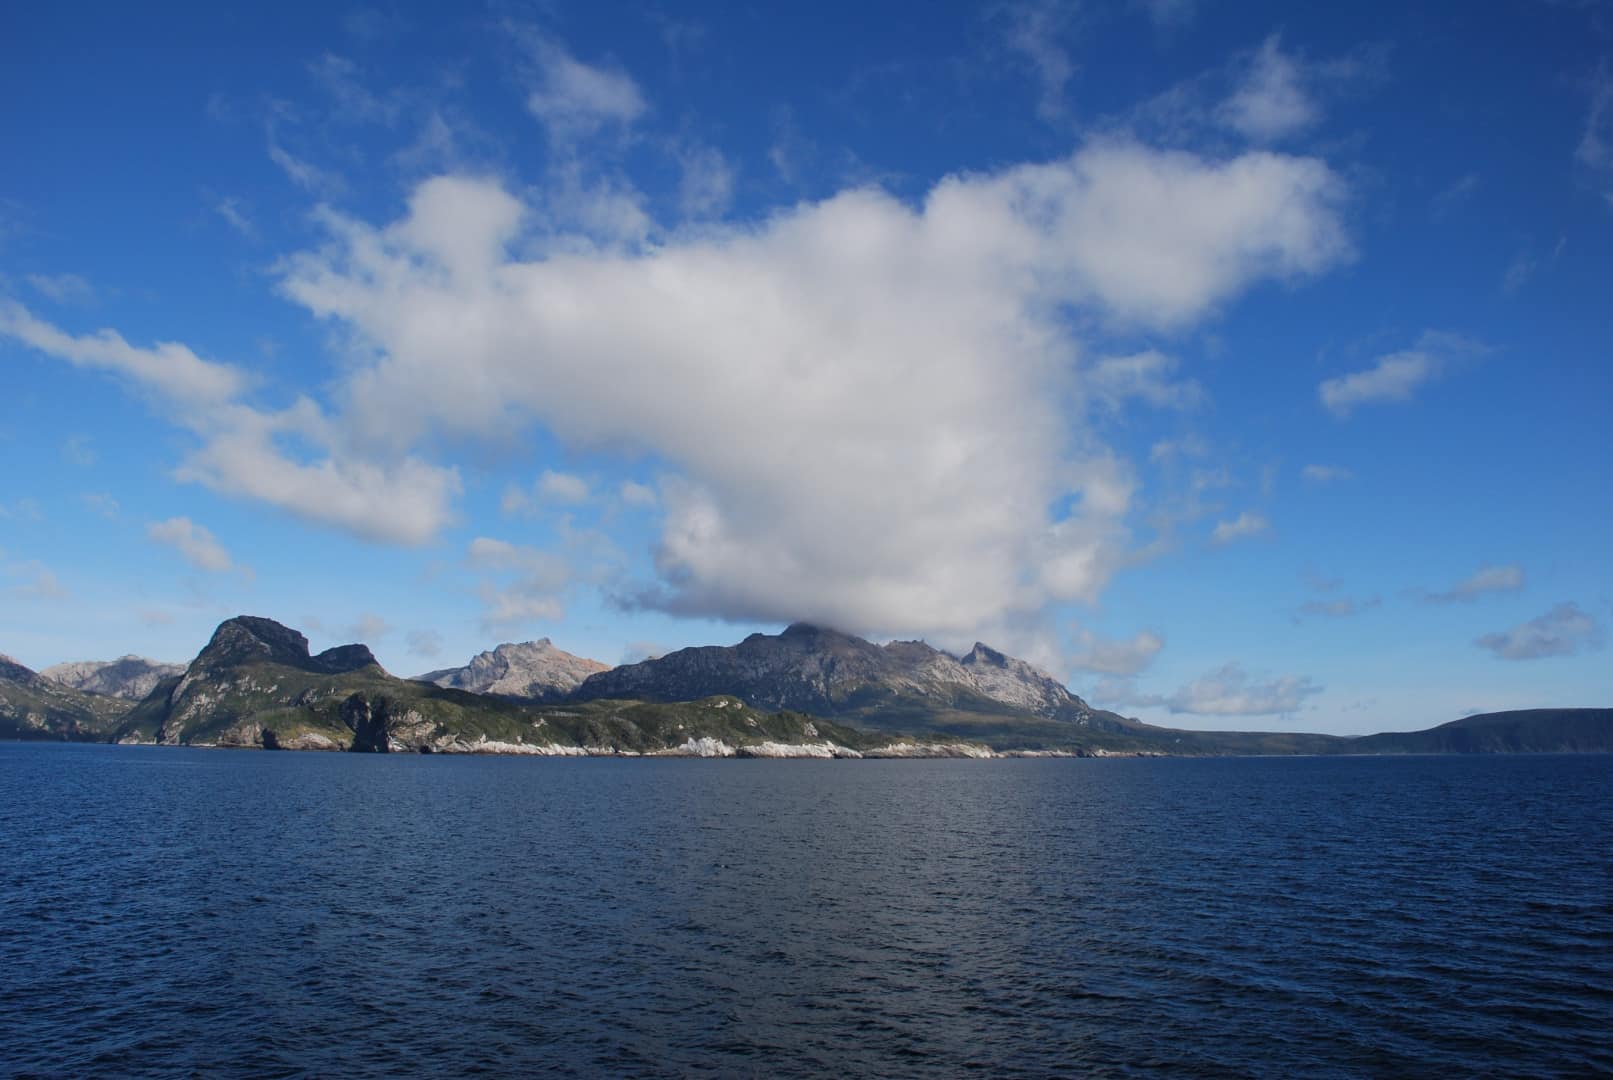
(1520, 731)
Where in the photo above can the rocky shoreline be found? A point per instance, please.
(704, 747)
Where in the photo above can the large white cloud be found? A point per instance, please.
(864, 412)
(867, 409)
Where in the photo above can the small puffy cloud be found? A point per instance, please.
(33, 580)
(425, 643)
(637, 495)
(1342, 608)
(1271, 102)
(1115, 657)
(101, 503)
(515, 605)
(1487, 579)
(193, 541)
(523, 584)
(636, 651)
(1242, 527)
(706, 185)
(25, 509)
(1396, 377)
(79, 450)
(1325, 474)
(369, 627)
(1169, 451)
(576, 99)
(1226, 691)
(1562, 631)
(562, 487)
(1230, 691)
(1393, 378)
(546, 568)
(1146, 376)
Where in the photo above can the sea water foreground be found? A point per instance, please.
(224, 913)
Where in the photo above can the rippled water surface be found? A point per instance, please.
(170, 911)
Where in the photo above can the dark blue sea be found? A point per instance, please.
(175, 912)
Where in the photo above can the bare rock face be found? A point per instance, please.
(368, 724)
(382, 726)
(127, 677)
(1015, 682)
(531, 670)
(828, 673)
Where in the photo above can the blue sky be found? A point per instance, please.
(1245, 365)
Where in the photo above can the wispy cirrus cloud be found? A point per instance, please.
(1325, 474)
(1486, 579)
(1246, 525)
(61, 288)
(293, 458)
(1341, 608)
(1038, 31)
(1595, 148)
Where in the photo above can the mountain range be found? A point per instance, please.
(128, 677)
(809, 691)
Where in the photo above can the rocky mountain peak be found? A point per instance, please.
(250, 639)
(985, 654)
(524, 669)
(10, 669)
(344, 658)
